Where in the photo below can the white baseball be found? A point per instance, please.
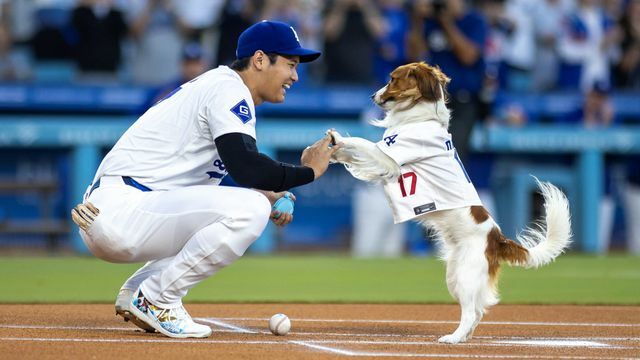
(279, 324)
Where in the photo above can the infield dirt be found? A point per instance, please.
(325, 331)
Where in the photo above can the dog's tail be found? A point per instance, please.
(547, 239)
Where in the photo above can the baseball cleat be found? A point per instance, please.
(123, 303)
(175, 323)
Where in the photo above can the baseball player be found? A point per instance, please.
(154, 196)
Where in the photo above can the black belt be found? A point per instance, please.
(127, 180)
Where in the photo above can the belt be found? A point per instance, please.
(127, 180)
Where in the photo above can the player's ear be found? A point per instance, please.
(259, 58)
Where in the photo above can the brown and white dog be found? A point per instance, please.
(470, 241)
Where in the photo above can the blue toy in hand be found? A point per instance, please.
(284, 204)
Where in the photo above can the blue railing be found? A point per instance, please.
(87, 135)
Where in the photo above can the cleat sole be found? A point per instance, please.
(128, 316)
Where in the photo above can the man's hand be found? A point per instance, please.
(278, 217)
(317, 156)
(282, 218)
(84, 215)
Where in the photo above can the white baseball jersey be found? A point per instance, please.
(432, 176)
(172, 144)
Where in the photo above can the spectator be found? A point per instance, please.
(548, 17)
(52, 37)
(519, 45)
(196, 17)
(627, 70)
(306, 16)
(350, 29)
(155, 58)
(4, 12)
(390, 45)
(631, 198)
(237, 15)
(583, 47)
(100, 28)
(596, 113)
(12, 67)
(192, 65)
(453, 36)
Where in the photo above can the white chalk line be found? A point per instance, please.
(315, 345)
(523, 323)
(228, 328)
(308, 343)
(167, 340)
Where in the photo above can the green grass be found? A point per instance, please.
(573, 279)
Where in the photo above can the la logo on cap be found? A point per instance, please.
(295, 33)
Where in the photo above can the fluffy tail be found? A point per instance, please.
(548, 239)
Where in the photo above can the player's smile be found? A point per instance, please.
(284, 69)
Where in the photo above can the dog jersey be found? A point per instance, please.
(172, 144)
(432, 175)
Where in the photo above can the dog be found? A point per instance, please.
(425, 181)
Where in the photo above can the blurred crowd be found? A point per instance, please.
(518, 45)
(587, 47)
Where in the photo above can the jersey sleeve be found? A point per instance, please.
(230, 109)
(409, 144)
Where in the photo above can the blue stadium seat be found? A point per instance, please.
(54, 71)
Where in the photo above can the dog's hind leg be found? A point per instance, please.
(469, 283)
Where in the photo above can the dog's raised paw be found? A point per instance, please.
(450, 339)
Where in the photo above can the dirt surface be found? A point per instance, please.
(325, 331)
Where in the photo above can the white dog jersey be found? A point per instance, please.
(173, 146)
(432, 176)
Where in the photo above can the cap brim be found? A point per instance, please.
(306, 55)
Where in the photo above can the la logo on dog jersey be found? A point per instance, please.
(242, 111)
(389, 140)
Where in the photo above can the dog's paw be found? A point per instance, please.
(335, 136)
(451, 339)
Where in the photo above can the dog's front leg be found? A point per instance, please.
(365, 161)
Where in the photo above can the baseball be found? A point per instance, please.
(279, 324)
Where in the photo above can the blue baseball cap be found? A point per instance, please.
(273, 37)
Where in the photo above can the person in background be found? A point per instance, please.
(101, 28)
(583, 46)
(548, 16)
(390, 50)
(627, 70)
(305, 15)
(155, 42)
(350, 30)
(12, 66)
(193, 64)
(597, 113)
(236, 16)
(519, 51)
(452, 36)
(197, 17)
(374, 233)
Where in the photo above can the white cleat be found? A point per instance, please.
(175, 323)
(123, 303)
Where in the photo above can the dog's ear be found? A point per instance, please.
(431, 81)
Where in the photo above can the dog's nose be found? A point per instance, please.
(373, 96)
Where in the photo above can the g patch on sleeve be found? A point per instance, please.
(242, 111)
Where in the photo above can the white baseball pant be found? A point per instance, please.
(186, 234)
